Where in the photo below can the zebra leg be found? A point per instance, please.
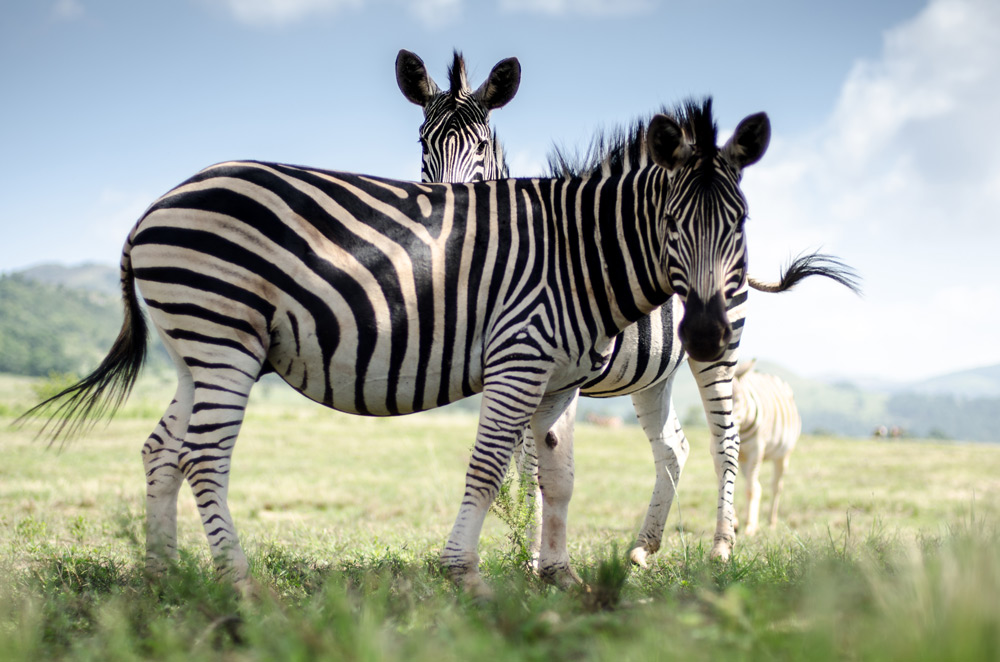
(526, 457)
(658, 418)
(220, 398)
(780, 465)
(503, 416)
(553, 423)
(715, 384)
(751, 474)
(164, 477)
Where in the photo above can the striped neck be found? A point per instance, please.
(617, 218)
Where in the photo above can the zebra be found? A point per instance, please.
(646, 356)
(379, 297)
(457, 143)
(770, 425)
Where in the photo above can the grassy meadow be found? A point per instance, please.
(885, 550)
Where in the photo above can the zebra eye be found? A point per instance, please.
(483, 144)
(671, 224)
(423, 146)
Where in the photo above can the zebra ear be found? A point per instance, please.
(502, 84)
(412, 78)
(749, 141)
(665, 142)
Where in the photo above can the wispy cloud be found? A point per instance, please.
(68, 10)
(435, 13)
(266, 13)
(901, 181)
(579, 7)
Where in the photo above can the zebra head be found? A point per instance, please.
(457, 142)
(701, 219)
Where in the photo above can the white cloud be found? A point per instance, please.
(901, 182)
(582, 7)
(266, 13)
(276, 13)
(435, 13)
(68, 10)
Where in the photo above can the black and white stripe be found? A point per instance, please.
(383, 298)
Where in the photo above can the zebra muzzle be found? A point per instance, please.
(705, 330)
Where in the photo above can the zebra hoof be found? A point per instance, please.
(470, 582)
(561, 576)
(638, 556)
(721, 551)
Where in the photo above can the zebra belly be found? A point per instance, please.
(645, 353)
(361, 370)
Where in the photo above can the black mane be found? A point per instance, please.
(456, 76)
(624, 148)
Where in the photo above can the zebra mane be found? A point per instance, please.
(501, 157)
(624, 148)
(456, 77)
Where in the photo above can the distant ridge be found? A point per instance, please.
(91, 277)
(974, 383)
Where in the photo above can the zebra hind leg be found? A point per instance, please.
(526, 458)
(780, 465)
(220, 399)
(658, 418)
(553, 424)
(163, 479)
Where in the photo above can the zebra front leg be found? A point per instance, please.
(715, 383)
(553, 424)
(658, 418)
(502, 421)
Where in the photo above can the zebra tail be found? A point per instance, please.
(813, 264)
(77, 408)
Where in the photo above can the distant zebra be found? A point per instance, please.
(770, 426)
(646, 356)
(457, 143)
(382, 298)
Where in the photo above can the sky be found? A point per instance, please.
(883, 115)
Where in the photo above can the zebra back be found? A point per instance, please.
(764, 407)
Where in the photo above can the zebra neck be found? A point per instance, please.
(617, 217)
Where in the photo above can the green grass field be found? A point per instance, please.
(885, 550)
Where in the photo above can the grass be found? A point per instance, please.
(885, 551)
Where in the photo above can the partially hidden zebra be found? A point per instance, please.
(457, 142)
(646, 356)
(382, 298)
(770, 425)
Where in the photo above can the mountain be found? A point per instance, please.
(56, 319)
(99, 278)
(975, 383)
(44, 328)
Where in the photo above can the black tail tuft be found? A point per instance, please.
(77, 408)
(813, 264)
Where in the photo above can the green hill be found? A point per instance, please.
(45, 328)
(48, 328)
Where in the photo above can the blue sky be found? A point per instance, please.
(883, 116)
